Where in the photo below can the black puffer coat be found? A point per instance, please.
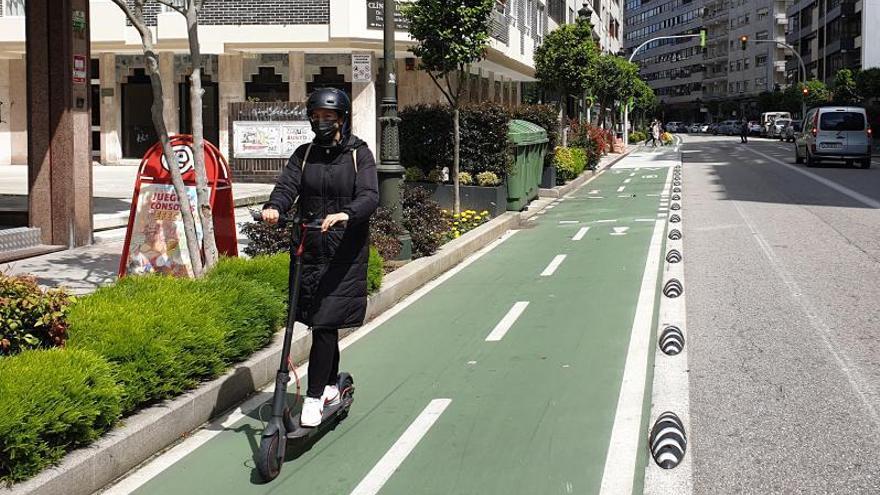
(334, 279)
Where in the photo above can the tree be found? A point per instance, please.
(770, 101)
(613, 80)
(451, 35)
(868, 83)
(190, 10)
(565, 61)
(845, 92)
(645, 102)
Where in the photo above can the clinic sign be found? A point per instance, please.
(376, 15)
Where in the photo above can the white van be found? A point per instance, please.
(768, 118)
(834, 133)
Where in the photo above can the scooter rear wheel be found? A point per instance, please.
(268, 464)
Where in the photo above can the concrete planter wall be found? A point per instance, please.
(491, 199)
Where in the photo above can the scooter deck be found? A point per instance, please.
(331, 414)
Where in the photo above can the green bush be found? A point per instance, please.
(30, 317)
(385, 233)
(488, 179)
(485, 146)
(637, 137)
(375, 270)
(426, 137)
(423, 218)
(435, 175)
(272, 270)
(414, 174)
(546, 116)
(53, 401)
(249, 312)
(160, 332)
(267, 239)
(465, 179)
(569, 163)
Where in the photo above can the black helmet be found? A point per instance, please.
(330, 99)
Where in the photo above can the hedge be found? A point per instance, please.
(569, 162)
(53, 400)
(375, 270)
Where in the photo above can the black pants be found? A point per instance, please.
(744, 138)
(323, 360)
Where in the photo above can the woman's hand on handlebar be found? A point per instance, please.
(332, 220)
(271, 216)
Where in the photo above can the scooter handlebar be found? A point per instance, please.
(315, 224)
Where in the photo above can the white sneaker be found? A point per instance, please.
(331, 395)
(312, 412)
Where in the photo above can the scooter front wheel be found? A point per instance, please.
(268, 463)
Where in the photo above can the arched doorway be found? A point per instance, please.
(267, 86)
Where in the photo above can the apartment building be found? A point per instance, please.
(834, 34)
(266, 51)
(687, 77)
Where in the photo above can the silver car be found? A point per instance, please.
(775, 130)
(834, 133)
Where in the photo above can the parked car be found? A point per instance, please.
(834, 134)
(713, 128)
(697, 128)
(729, 127)
(672, 126)
(790, 131)
(754, 128)
(704, 128)
(775, 129)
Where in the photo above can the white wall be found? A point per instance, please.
(870, 35)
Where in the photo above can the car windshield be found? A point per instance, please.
(842, 121)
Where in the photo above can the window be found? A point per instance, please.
(745, 85)
(14, 7)
(760, 82)
(738, 87)
(739, 65)
(760, 60)
(761, 35)
(762, 13)
(745, 64)
(842, 121)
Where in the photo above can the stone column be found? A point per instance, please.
(59, 122)
(111, 111)
(17, 111)
(364, 108)
(518, 96)
(231, 87)
(5, 119)
(169, 91)
(491, 78)
(297, 62)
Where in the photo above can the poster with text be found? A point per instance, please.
(158, 242)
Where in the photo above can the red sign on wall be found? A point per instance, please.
(79, 69)
(155, 241)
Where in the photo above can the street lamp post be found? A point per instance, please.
(389, 169)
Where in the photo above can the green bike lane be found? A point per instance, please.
(530, 413)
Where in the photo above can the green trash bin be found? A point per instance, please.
(529, 147)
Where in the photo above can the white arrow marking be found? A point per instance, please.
(594, 191)
(619, 230)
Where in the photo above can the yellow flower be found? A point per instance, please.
(456, 215)
(484, 212)
(457, 235)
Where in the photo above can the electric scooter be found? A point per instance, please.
(283, 425)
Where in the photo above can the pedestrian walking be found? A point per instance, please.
(744, 131)
(335, 181)
(655, 133)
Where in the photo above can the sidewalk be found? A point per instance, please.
(113, 187)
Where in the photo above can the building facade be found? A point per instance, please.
(263, 51)
(832, 35)
(688, 78)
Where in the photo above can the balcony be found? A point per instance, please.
(499, 27)
(781, 19)
(779, 65)
(840, 45)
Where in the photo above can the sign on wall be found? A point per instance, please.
(361, 68)
(376, 16)
(252, 139)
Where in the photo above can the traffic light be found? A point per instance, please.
(702, 38)
(743, 41)
(806, 91)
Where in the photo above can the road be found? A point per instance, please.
(533, 367)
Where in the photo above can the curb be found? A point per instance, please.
(152, 430)
(560, 191)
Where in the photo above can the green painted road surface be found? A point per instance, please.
(529, 413)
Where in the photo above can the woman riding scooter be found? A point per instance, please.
(334, 179)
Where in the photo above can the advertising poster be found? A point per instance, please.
(269, 139)
(158, 242)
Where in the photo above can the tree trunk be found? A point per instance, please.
(203, 193)
(563, 111)
(456, 160)
(157, 113)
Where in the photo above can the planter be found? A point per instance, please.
(491, 199)
(548, 178)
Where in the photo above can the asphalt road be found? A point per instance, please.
(784, 330)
